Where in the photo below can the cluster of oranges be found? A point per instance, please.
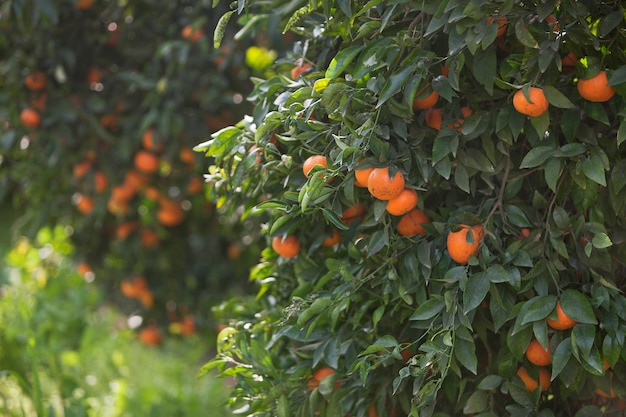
(36, 83)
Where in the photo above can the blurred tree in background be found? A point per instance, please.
(101, 103)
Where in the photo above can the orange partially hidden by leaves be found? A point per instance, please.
(287, 247)
(100, 181)
(313, 161)
(195, 185)
(531, 383)
(502, 23)
(434, 118)
(192, 34)
(459, 248)
(333, 239)
(83, 4)
(81, 169)
(30, 118)
(403, 202)
(411, 223)
(596, 88)
(187, 156)
(382, 186)
(147, 141)
(537, 355)
(426, 102)
(371, 412)
(83, 268)
(563, 321)
(146, 162)
(318, 376)
(351, 213)
(170, 213)
(150, 336)
(85, 204)
(149, 238)
(124, 230)
(94, 75)
(361, 176)
(568, 63)
(537, 105)
(611, 393)
(35, 81)
(299, 69)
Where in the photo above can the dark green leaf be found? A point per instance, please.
(561, 356)
(536, 156)
(578, 307)
(429, 309)
(610, 22)
(593, 168)
(556, 98)
(475, 291)
(394, 84)
(477, 402)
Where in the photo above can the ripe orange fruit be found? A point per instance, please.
(313, 161)
(434, 118)
(30, 118)
(403, 202)
(125, 229)
(187, 156)
(188, 325)
(411, 223)
(170, 213)
(146, 298)
(333, 239)
(40, 103)
(94, 75)
(192, 34)
(81, 169)
(147, 141)
(83, 4)
(84, 204)
(531, 383)
(299, 69)
(382, 186)
(502, 23)
(152, 193)
(83, 268)
(149, 238)
(611, 393)
(195, 185)
(459, 248)
(100, 181)
(537, 355)
(150, 336)
(361, 176)
(318, 376)
(596, 88)
(123, 192)
(109, 121)
(135, 179)
(35, 81)
(563, 321)
(537, 105)
(133, 288)
(146, 162)
(568, 63)
(287, 247)
(427, 102)
(117, 207)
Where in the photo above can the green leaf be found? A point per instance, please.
(552, 172)
(618, 176)
(601, 241)
(497, 274)
(536, 156)
(220, 28)
(490, 382)
(610, 22)
(561, 356)
(465, 353)
(475, 291)
(617, 76)
(583, 336)
(593, 168)
(477, 402)
(589, 411)
(485, 67)
(541, 124)
(461, 178)
(621, 133)
(523, 35)
(394, 84)
(570, 150)
(341, 61)
(537, 308)
(429, 309)
(578, 307)
(556, 98)
(314, 309)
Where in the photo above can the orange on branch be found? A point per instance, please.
(403, 202)
(426, 102)
(312, 161)
(434, 118)
(459, 248)
(537, 105)
(35, 81)
(384, 187)
(596, 88)
(30, 117)
(532, 383)
(146, 162)
(563, 321)
(537, 355)
(411, 223)
(333, 239)
(286, 246)
(318, 376)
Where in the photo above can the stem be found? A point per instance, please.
(498, 203)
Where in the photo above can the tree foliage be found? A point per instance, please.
(407, 330)
(118, 95)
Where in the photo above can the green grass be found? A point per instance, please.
(65, 352)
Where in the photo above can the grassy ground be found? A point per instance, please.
(65, 352)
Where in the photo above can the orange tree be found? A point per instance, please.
(101, 105)
(506, 120)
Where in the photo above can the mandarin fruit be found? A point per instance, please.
(286, 246)
(403, 202)
(318, 376)
(333, 239)
(537, 355)
(563, 321)
(313, 161)
(382, 186)
(361, 176)
(537, 105)
(30, 118)
(426, 102)
(434, 118)
(35, 81)
(531, 383)
(459, 248)
(596, 88)
(411, 223)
